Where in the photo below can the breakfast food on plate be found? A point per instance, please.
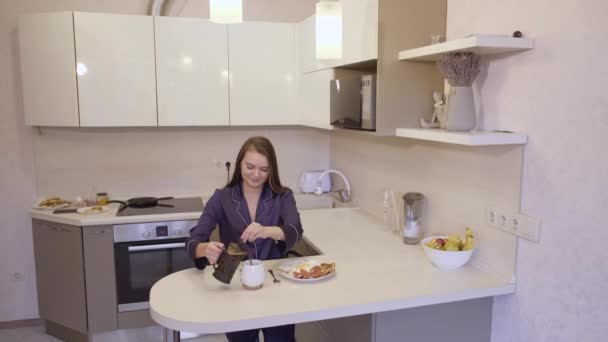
(302, 271)
(453, 242)
(53, 202)
(94, 210)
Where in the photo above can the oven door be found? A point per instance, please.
(140, 264)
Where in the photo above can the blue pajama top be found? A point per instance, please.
(228, 209)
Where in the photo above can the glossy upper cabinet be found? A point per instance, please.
(359, 36)
(360, 30)
(263, 77)
(314, 98)
(305, 33)
(115, 69)
(191, 72)
(48, 73)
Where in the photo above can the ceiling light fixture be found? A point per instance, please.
(226, 11)
(328, 30)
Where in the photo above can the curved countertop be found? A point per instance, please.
(375, 272)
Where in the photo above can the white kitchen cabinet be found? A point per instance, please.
(48, 73)
(115, 69)
(263, 77)
(314, 99)
(360, 30)
(359, 36)
(191, 72)
(307, 60)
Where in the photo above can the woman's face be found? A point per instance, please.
(254, 169)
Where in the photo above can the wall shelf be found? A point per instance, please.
(481, 44)
(464, 138)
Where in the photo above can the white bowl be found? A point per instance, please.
(445, 260)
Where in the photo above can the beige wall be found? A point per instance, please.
(459, 183)
(557, 94)
(63, 159)
(127, 162)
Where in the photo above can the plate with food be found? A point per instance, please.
(94, 210)
(305, 270)
(53, 203)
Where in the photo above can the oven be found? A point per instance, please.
(144, 253)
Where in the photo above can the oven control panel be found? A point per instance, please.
(153, 230)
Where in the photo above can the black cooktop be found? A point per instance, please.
(179, 205)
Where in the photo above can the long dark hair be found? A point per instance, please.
(264, 147)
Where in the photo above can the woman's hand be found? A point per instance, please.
(252, 232)
(257, 231)
(212, 251)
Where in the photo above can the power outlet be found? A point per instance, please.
(515, 223)
(496, 218)
(17, 276)
(526, 227)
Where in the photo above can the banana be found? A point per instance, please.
(469, 241)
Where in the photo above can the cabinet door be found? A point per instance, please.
(308, 61)
(359, 36)
(352, 329)
(48, 69)
(60, 274)
(192, 72)
(115, 68)
(360, 30)
(98, 248)
(263, 83)
(314, 98)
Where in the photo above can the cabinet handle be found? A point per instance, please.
(55, 229)
(66, 230)
(156, 247)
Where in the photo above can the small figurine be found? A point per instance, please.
(438, 113)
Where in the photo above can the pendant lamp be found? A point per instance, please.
(226, 11)
(328, 30)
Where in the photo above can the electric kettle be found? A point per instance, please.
(310, 179)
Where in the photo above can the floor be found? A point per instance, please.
(36, 334)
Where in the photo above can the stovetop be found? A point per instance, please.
(180, 205)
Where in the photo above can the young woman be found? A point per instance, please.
(256, 210)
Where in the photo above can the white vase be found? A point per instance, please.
(461, 109)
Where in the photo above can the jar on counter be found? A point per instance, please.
(102, 198)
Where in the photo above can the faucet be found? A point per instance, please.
(344, 194)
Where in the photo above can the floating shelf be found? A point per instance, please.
(481, 44)
(463, 138)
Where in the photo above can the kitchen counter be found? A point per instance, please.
(376, 272)
(304, 201)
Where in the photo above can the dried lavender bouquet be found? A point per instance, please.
(460, 68)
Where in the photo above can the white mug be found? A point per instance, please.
(253, 274)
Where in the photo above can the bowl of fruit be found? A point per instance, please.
(449, 252)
